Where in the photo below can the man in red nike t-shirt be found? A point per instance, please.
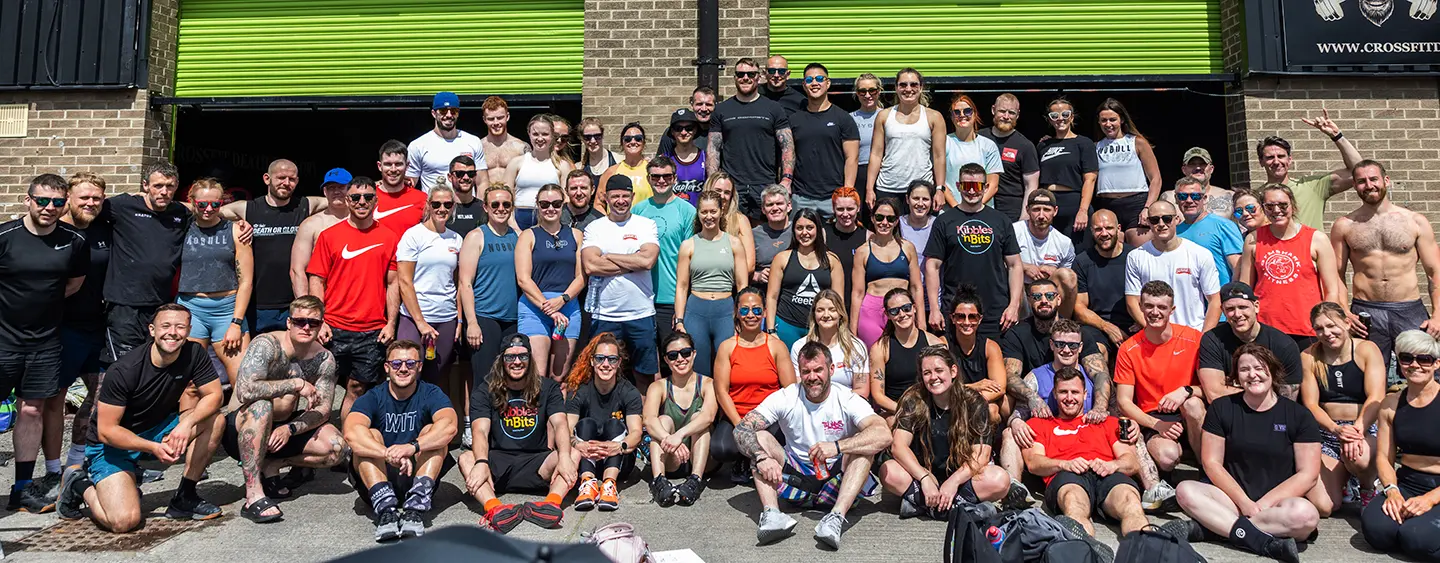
(397, 205)
(346, 271)
(1087, 469)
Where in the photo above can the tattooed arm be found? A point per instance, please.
(261, 360)
(1100, 378)
(317, 412)
(786, 140)
(1015, 385)
(716, 141)
(747, 437)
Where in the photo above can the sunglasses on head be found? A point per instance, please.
(397, 364)
(1048, 296)
(1060, 114)
(501, 205)
(1066, 345)
(48, 201)
(211, 204)
(632, 138)
(463, 173)
(965, 317)
(1241, 211)
(551, 204)
(906, 308)
(962, 112)
(814, 79)
(747, 311)
(439, 204)
(302, 322)
(517, 357)
(685, 352)
(1191, 196)
(357, 198)
(774, 70)
(750, 74)
(1417, 359)
(1158, 219)
(607, 359)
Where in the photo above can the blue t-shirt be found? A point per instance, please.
(400, 422)
(1045, 386)
(674, 222)
(1220, 236)
(496, 293)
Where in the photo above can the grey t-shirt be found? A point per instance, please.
(768, 243)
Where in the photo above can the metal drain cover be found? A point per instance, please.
(84, 536)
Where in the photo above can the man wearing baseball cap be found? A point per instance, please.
(431, 153)
(1242, 326)
(1197, 164)
(303, 244)
(619, 251)
(1044, 252)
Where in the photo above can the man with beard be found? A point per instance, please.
(579, 210)
(432, 152)
(749, 139)
(397, 205)
(499, 146)
(777, 89)
(1021, 164)
(42, 261)
(1199, 165)
(974, 244)
(702, 106)
(336, 210)
(673, 217)
(1311, 192)
(82, 328)
(1385, 241)
(1100, 281)
(1184, 266)
(822, 425)
(1044, 252)
(469, 210)
(827, 144)
(1243, 326)
(143, 412)
(619, 251)
(1214, 233)
(149, 231)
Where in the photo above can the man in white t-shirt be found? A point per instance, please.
(821, 423)
(1044, 252)
(619, 251)
(1186, 267)
(431, 153)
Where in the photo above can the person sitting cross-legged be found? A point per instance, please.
(399, 435)
(680, 435)
(603, 411)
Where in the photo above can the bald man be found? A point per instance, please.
(1100, 280)
(777, 72)
(1187, 267)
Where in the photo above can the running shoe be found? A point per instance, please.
(72, 493)
(1017, 497)
(504, 518)
(589, 490)
(689, 491)
(39, 496)
(774, 526)
(828, 531)
(412, 525)
(387, 525)
(1184, 528)
(609, 496)
(662, 491)
(197, 508)
(1160, 498)
(544, 514)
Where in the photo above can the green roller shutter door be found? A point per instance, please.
(378, 47)
(1000, 37)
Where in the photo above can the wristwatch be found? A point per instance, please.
(677, 322)
(788, 176)
(415, 444)
(564, 297)
(237, 321)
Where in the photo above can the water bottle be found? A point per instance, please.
(996, 537)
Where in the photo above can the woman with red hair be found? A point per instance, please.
(844, 235)
(601, 406)
(964, 146)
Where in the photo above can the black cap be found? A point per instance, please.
(683, 115)
(515, 340)
(1236, 290)
(619, 182)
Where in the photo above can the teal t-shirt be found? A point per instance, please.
(674, 222)
(1220, 236)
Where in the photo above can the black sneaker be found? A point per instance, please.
(689, 491)
(912, 503)
(72, 494)
(387, 525)
(39, 496)
(1282, 549)
(1189, 530)
(197, 508)
(740, 473)
(411, 524)
(662, 491)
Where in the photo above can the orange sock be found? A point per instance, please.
(554, 499)
(491, 504)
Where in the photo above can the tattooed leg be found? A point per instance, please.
(253, 424)
(1149, 474)
(326, 448)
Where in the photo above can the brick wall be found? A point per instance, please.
(639, 57)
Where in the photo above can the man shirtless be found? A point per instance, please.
(265, 417)
(500, 146)
(335, 212)
(1385, 241)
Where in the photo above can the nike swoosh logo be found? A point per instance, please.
(1177, 352)
(347, 254)
(388, 212)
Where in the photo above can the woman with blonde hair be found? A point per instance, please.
(1343, 387)
(532, 170)
(427, 258)
(830, 326)
(549, 272)
(867, 92)
(710, 272)
(737, 225)
(908, 142)
(595, 159)
(1403, 518)
(216, 280)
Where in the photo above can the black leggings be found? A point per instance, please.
(722, 440)
(483, 358)
(1416, 537)
(604, 430)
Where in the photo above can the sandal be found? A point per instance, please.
(295, 477)
(274, 487)
(255, 511)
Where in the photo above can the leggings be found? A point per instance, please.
(434, 369)
(788, 333)
(709, 322)
(1416, 537)
(872, 319)
(722, 440)
(483, 358)
(1069, 207)
(604, 430)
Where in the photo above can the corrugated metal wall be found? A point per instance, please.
(1000, 37)
(378, 47)
(72, 43)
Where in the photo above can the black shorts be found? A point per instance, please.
(1126, 209)
(358, 355)
(518, 471)
(32, 374)
(125, 328)
(294, 447)
(1148, 433)
(80, 353)
(1096, 487)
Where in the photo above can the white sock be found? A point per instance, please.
(52, 466)
(76, 455)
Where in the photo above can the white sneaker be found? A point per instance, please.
(775, 525)
(830, 528)
(1160, 498)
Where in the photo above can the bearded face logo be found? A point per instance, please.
(1377, 11)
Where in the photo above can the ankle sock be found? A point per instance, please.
(52, 466)
(553, 498)
(1245, 534)
(491, 504)
(76, 455)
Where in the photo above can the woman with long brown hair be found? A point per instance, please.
(941, 444)
(894, 357)
(1069, 167)
(737, 225)
(1343, 387)
(710, 272)
(908, 142)
(1129, 176)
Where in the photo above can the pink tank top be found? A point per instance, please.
(1287, 281)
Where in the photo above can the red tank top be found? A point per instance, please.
(1287, 281)
(753, 375)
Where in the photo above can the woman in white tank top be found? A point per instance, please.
(528, 172)
(1129, 176)
(908, 143)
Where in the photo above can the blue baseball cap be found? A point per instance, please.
(445, 100)
(338, 176)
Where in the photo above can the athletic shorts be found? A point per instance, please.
(1126, 209)
(102, 461)
(125, 327)
(1148, 433)
(799, 485)
(80, 351)
(1330, 443)
(639, 338)
(32, 374)
(358, 355)
(518, 471)
(1096, 487)
(535, 323)
(293, 447)
(262, 321)
(210, 316)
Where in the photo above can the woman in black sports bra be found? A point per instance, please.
(1401, 519)
(895, 357)
(1343, 387)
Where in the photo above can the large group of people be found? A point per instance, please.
(828, 303)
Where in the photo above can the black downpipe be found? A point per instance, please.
(707, 50)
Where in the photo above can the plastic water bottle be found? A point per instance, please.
(996, 537)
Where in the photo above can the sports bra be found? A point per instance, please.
(1344, 383)
(681, 416)
(899, 268)
(902, 366)
(1414, 427)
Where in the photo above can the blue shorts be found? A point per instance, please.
(535, 323)
(639, 338)
(267, 320)
(79, 353)
(210, 317)
(102, 461)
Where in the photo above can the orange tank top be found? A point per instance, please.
(753, 375)
(1287, 281)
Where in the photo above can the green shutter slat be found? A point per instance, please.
(999, 38)
(378, 47)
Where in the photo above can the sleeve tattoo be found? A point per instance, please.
(260, 359)
(746, 434)
(786, 140)
(1100, 378)
(1015, 383)
(324, 367)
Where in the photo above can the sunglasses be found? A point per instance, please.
(972, 186)
(965, 317)
(666, 177)
(777, 70)
(517, 357)
(357, 198)
(1048, 296)
(906, 308)
(1192, 196)
(884, 218)
(685, 128)
(746, 74)
(868, 91)
(593, 136)
(685, 352)
(1055, 115)
(463, 173)
(213, 204)
(553, 204)
(397, 364)
(747, 311)
(303, 322)
(439, 204)
(907, 85)
(448, 111)
(48, 201)
(633, 138)
(601, 359)
(1417, 359)
(1066, 345)
(501, 205)
(1158, 219)
(814, 79)
(962, 112)
(1248, 209)
(1277, 206)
